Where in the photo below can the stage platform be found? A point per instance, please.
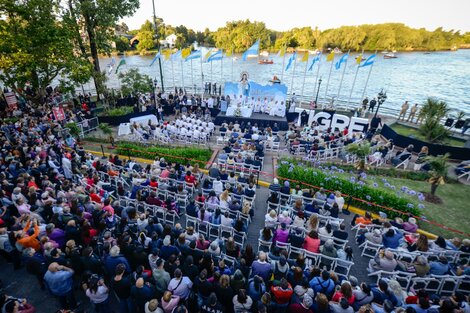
(263, 120)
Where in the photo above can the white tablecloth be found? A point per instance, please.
(124, 129)
(144, 120)
(245, 111)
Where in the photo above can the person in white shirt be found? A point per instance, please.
(225, 220)
(210, 102)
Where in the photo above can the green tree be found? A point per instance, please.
(96, 20)
(439, 167)
(122, 44)
(133, 82)
(34, 47)
(432, 112)
(145, 40)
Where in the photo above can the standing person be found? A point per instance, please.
(122, 288)
(180, 285)
(98, 293)
(404, 109)
(372, 104)
(413, 111)
(303, 118)
(141, 293)
(59, 281)
(364, 104)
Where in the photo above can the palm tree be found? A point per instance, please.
(361, 151)
(439, 167)
(432, 112)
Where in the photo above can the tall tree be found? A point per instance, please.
(93, 22)
(35, 46)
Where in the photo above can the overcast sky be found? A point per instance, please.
(283, 15)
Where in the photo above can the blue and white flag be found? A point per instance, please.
(291, 59)
(216, 56)
(194, 55)
(176, 56)
(343, 59)
(111, 65)
(253, 50)
(370, 60)
(315, 60)
(157, 56)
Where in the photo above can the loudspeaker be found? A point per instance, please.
(459, 124)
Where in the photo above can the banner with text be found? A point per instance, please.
(252, 89)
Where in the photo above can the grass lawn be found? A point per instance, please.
(414, 133)
(452, 212)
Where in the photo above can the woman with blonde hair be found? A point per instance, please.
(312, 223)
(421, 159)
(225, 199)
(169, 302)
(246, 207)
(270, 219)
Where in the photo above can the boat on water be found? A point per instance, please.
(264, 54)
(357, 57)
(275, 80)
(337, 51)
(385, 52)
(390, 56)
(265, 61)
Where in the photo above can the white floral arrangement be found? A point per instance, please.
(238, 112)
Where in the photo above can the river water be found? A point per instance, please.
(413, 76)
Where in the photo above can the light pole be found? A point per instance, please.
(155, 84)
(381, 97)
(156, 36)
(318, 91)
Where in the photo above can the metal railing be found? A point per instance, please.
(88, 125)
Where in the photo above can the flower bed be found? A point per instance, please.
(367, 195)
(171, 154)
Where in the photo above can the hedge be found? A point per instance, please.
(171, 154)
(353, 188)
(124, 110)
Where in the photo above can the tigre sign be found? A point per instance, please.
(339, 121)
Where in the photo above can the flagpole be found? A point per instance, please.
(355, 76)
(202, 80)
(342, 76)
(192, 77)
(283, 63)
(173, 73)
(182, 74)
(232, 63)
(368, 76)
(329, 75)
(210, 80)
(305, 74)
(293, 74)
(222, 68)
(316, 77)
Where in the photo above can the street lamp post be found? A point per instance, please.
(318, 91)
(155, 84)
(381, 97)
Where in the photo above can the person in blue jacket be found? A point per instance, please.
(323, 284)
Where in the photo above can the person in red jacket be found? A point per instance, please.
(282, 293)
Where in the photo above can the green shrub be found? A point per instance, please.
(171, 154)
(118, 111)
(369, 194)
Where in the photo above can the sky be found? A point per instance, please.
(284, 15)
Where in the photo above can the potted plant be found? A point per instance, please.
(439, 167)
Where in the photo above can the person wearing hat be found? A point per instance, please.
(384, 261)
(303, 307)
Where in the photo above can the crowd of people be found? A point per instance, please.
(63, 220)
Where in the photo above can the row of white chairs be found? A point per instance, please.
(215, 232)
(444, 285)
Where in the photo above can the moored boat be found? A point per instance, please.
(265, 61)
(390, 56)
